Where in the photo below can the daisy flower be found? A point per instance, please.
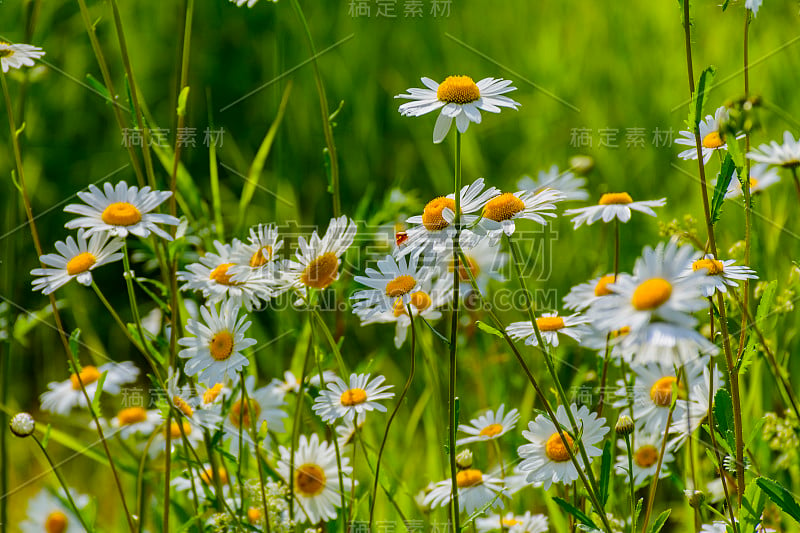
(698, 400)
(460, 98)
(475, 489)
(264, 406)
(393, 286)
(613, 205)
(316, 478)
(215, 350)
(136, 420)
(49, 513)
(64, 395)
(646, 450)
(433, 231)
(346, 432)
(546, 458)
(18, 55)
(665, 343)
(500, 212)
(720, 274)
(512, 523)
(785, 155)
(216, 276)
(353, 401)
(291, 383)
(489, 426)
(569, 185)
(550, 326)
(753, 5)
(318, 260)
(204, 480)
(711, 139)
(582, 296)
(121, 210)
(761, 178)
(260, 255)
(186, 426)
(75, 260)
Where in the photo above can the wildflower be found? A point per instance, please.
(569, 185)
(582, 296)
(645, 457)
(761, 177)
(753, 5)
(393, 286)
(49, 513)
(22, 425)
(136, 420)
(613, 205)
(526, 523)
(489, 426)
(720, 274)
(711, 138)
(785, 155)
(352, 402)
(550, 326)
(63, 396)
(263, 406)
(475, 489)
(18, 55)
(500, 212)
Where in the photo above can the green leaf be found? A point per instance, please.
(723, 180)
(752, 507)
(182, 99)
(723, 416)
(762, 314)
(75, 343)
(780, 496)
(483, 326)
(735, 151)
(98, 391)
(574, 511)
(46, 436)
(99, 88)
(699, 97)
(605, 472)
(660, 521)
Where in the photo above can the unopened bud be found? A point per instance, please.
(696, 498)
(464, 460)
(22, 425)
(581, 164)
(624, 425)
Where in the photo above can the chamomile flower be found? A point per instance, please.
(711, 139)
(190, 427)
(785, 155)
(316, 478)
(346, 432)
(393, 285)
(546, 458)
(475, 489)
(216, 277)
(352, 401)
(500, 212)
(291, 383)
(136, 420)
(204, 480)
(585, 294)
(121, 210)
(264, 407)
(720, 274)
(753, 5)
(646, 451)
(433, 231)
(569, 185)
(48, 513)
(527, 523)
(64, 395)
(18, 55)
(761, 178)
(459, 98)
(551, 325)
(698, 400)
(489, 426)
(613, 205)
(76, 258)
(259, 256)
(214, 352)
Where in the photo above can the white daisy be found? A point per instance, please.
(665, 343)
(346, 432)
(699, 398)
(613, 205)
(550, 326)
(121, 210)
(565, 182)
(646, 450)
(711, 139)
(353, 401)
(49, 513)
(215, 350)
(460, 98)
(433, 231)
(204, 480)
(475, 489)
(316, 478)
(582, 296)
(753, 5)
(720, 274)
(190, 427)
(546, 459)
(786, 155)
(18, 55)
(75, 260)
(259, 257)
(64, 395)
(391, 287)
(489, 426)
(215, 275)
(761, 177)
(500, 212)
(512, 523)
(291, 383)
(136, 420)
(264, 405)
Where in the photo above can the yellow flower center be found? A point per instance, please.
(221, 276)
(207, 476)
(491, 430)
(309, 479)
(261, 257)
(419, 299)
(241, 417)
(469, 478)
(556, 450)
(624, 330)
(432, 217)
(714, 267)
(56, 522)
(753, 183)
(508, 522)
(80, 263)
(550, 323)
(211, 394)
(175, 429)
(646, 456)
(601, 289)
(131, 415)
(352, 397)
(253, 515)
(182, 406)
(661, 391)
(88, 375)
(503, 207)
(713, 140)
(611, 198)
(651, 294)
(400, 286)
(121, 214)
(221, 345)
(458, 90)
(321, 272)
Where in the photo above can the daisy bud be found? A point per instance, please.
(624, 425)
(464, 460)
(22, 425)
(581, 164)
(696, 498)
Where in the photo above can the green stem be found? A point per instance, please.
(254, 436)
(297, 409)
(63, 484)
(631, 483)
(451, 391)
(652, 496)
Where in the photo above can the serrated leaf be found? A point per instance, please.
(752, 507)
(659, 522)
(75, 342)
(735, 151)
(723, 181)
(723, 416)
(483, 326)
(605, 473)
(574, 511)
(780, 496)
(762, 314)
(98, 391)
(699, 97)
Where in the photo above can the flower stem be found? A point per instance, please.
(607, 354)
(63, 484)
(652, 496)
(297, 409)
(254, 435)
(630, 479)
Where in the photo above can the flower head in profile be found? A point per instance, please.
(18, 55)
(720, 274)
(569, 185)
(62, 396)
(711, 137)
(761, 177)
(459, 98)
(785, 155)
(613, 205)
(500, 212)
